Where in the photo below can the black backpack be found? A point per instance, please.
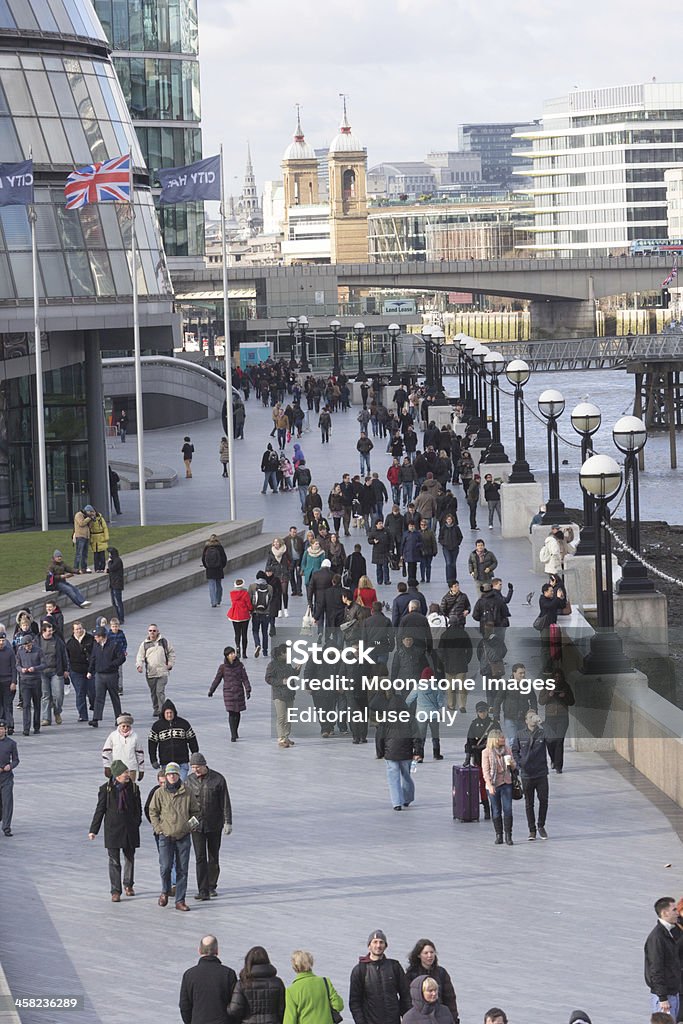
(304, 476)
(261, 601)
(212, 557)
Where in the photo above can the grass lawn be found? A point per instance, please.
(24, 557)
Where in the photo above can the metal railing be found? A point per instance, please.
(583, 353)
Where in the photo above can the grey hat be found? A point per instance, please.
(88, 508)
(197, 759)
(378, 934)
(27, 638)
(100, 631)
(57, 554)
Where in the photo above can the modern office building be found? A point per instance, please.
(673, 179)
(440, 171)
(447, 230)
(156, 56)
(503, 157)
(59, 95)
(599, 161)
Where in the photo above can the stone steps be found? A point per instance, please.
(151, 574)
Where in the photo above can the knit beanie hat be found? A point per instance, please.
(377, 934)
(172, 768)
(118, 768)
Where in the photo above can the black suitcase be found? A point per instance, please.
(466, 792)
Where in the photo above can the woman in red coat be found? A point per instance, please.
(365, 594)
(236, 689)
(239, 614)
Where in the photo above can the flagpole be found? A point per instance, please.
(139, 419)
(40, 397)
(228, 352)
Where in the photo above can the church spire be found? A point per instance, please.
(345, 126)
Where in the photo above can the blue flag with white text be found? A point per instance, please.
(16, 184)
(187, 184)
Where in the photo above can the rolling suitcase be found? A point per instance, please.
(466, 792)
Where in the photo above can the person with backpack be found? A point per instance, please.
(214, 560)
(270, 463)
(325, 424)
(491, 609)
(187, 453)
(156, 657)
(261, 597)
(302, 481)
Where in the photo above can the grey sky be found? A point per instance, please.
(413, 69)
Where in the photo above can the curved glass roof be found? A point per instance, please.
(63, 18)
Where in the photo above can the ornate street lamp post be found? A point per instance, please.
(334, 327)
(601, 477)
(359, 331)
(517, 372)
(291, 323)
(630, 436)
(585, 420)
(303, 325)
(493, 365)
(478, 355)
(394, 330)
(551, 406)
(438, 340)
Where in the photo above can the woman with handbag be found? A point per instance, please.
(310, 999)
(498, 764)
(259, 995)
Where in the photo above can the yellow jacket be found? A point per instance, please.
(99, 533)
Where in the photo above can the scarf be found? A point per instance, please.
(121, 796)
(278, 552)
(497, 766)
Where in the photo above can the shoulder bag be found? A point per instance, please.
(336, 1015)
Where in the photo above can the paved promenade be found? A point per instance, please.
(317, 858)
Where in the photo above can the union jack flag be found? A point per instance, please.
(105, 182)
(672, 276)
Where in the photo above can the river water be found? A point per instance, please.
(661, 488)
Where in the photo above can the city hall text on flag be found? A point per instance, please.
(196, 181)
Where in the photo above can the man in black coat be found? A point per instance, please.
(382, 544)
(215, 816)
(663, 950)
(377, 633)
(455, 654)
(379, 992)
(120, 807)
(415, 625)
(106, 657)
(529, 751)
(207, 988)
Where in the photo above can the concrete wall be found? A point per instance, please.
(652, 740)
(195, 397)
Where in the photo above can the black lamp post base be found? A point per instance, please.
(634, 579)
(606, 656)
(586, 545)
(521, 474)
(495, 455)
(555, 512)
(483, 438)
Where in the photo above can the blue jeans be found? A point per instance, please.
(259, 627)
(303, 493)
(501, 801)
(117, 602)
(81, 556)
(85, 694)
(426, 570)
(269, 478)
(450, 558)
(73, 593)
(494, 509)
(215, 592)
(52, 696)
(281, 437)
(383, 571)
(407, 496)
(365, 462)
(174, 852)
(401, 785)
(396, 494)
(673, 1002)
(510, 729)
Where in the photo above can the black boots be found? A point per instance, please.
(508, 831)
(436, 750)
(498, 826)
(487, 809)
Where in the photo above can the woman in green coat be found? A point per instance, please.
(309, 998)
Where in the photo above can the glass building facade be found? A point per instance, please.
(599, 163)
(156, 56)
(61, 102)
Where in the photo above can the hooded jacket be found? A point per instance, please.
(115, 570)
(379, 992)
(424, 1012)
(240, 605)
(171, 741)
